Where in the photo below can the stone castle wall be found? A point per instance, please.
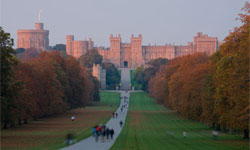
(77, 48)
(134, 54)
(37, 39)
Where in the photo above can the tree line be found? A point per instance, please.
(42, 86)
(212, 89)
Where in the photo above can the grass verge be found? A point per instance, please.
(150, 126)
(49, 133)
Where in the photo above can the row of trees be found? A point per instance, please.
(43, 86)
(143, 75)
(211, 89)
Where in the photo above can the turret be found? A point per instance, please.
(69, 40)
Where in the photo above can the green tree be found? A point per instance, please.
(8, 60)
(112, 75)
(90, 58)
(59, 47)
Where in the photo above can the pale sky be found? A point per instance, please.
(159, 21)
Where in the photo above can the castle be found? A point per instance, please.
(122, 55)
(37, 39)
(77, 48)
(134, 54)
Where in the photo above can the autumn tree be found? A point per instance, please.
(231, 77)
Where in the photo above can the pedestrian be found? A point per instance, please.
(121, 123)
(111, 132)
(103, 135)
(96, 135)
(93, 131)
(113, 115)
(103, 127)
(116, 115)
(107, 133)
(121, 109)
(73, 118)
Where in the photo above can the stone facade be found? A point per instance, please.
(134, 54)
(77, 48)
(100, 74)
(37, 39)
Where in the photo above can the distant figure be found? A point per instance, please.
(73, 118)
(107, 133)
(116, 115)
(98, 132)
(93, 131)
(113, 115)
(184, 134)
(121, 123)
(121, 109)
(111, 132)
(103, 135)
(103, 127)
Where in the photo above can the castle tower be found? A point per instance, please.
(100, 74)
(115, 49)
(37, 39)
(205, 44)
(69, 41)
(136, 51)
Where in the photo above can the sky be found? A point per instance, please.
(159, 21)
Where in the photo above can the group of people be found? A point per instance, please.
(102, 131)
(114, 115)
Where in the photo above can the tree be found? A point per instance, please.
(112, 75)
(151, 68)
(59, 47)
(231, 77)
(8, 83)
(90, 58)
(27, 54)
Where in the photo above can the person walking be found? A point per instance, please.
(121, 123)
(113, 115)
(111, 132)
(96, 135)
(116, 114)
(107, 133)
(93, 131)
(103, 135)
(73, 118)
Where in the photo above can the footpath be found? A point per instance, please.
(113, 123)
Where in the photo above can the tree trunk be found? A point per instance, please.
(19, 122)
(25, 121)
(12, 124)
(218, 127)
(213, 125)
(5, 124)
(246, 134)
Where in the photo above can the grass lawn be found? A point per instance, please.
(152, 127)
(49, 133)
(134, 83)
